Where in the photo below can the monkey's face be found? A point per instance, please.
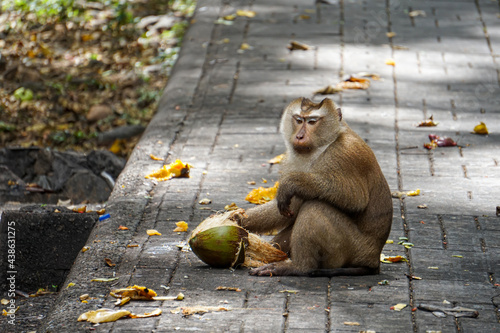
(308, 126)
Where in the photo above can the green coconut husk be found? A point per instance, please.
(220, 242)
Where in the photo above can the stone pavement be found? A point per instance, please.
(220, 112)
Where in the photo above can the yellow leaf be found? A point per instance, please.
(153, 232)
(103, 315)
(390, 62)
(182, 226)
(481, 129)
(246, 13)
(176, 169)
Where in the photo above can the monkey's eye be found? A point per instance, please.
(312, 121)
(298, 120)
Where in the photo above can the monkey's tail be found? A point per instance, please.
(344, 271)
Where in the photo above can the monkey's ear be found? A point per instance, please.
(339, 111)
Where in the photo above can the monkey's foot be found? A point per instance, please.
(268, 269)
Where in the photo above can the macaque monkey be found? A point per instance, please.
(333, 205)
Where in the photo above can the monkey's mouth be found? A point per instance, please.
(301, 149)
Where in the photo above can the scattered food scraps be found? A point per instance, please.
(175, 169)
(104, 217)
(262, 195)
(246, 13)
(205, 201)
(413, 193)
(104, 279)
(277, 159)
(373, 76)
(351, 323)
(85, 248)
(383, 282)
(231, 206)
(152, 232)
(390, 34)
(415, 13)
(122, 301)
(328, 90)
(182, 226)
(188, 311)
(353, 82)
(428, 123)
(121, 227)
(153, 313)
(456, 312)
(423, 206)
(481, 129)
(399, 307)
(103, 315)
(245, 46)
(391, 259)
(438, 141)
(179, 297)
(294, 45)
(134, 292)
(288, 291)
(228, 288)
(155, 158)
(390, 62)
(109, 262)
(389, 241)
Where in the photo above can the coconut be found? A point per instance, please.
(220, 242)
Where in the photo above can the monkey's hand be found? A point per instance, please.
(284, 198)
(267, 270)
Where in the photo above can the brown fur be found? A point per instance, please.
(333, 203)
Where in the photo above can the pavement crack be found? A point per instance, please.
(444, 239)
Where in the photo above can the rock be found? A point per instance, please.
(98, 112)
(85, 185)
(123, 132)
